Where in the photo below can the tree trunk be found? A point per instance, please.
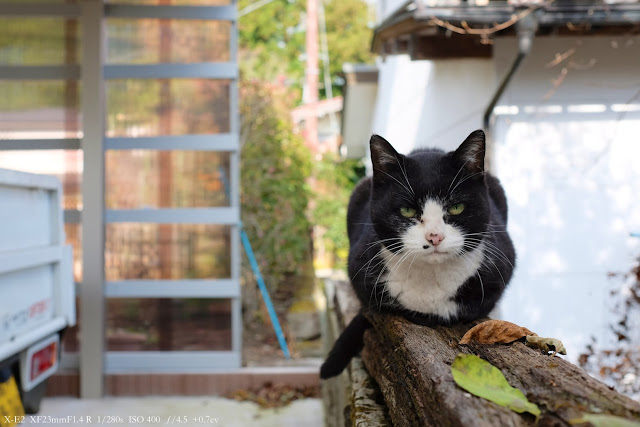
(412, 366)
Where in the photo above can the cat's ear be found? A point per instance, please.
(471, 152)
(383, 156)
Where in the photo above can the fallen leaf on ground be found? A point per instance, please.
(275, 395)
(482, 379)
(495, 332)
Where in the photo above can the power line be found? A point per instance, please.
(253, 6)
(325, 50)
(324, 46)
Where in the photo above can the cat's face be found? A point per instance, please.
(430, 205)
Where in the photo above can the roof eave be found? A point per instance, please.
(415, 18)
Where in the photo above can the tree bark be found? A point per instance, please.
(353, 397)
(412, 366)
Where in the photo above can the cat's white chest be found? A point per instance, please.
(429, 288)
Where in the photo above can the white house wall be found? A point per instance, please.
(431, 103)
(568, 162)
(359, 105)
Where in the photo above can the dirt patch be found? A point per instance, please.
(275, 395)
(260, 343)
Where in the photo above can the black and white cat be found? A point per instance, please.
(428, 240)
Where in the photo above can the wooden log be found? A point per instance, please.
(366, 403)
(353, 397)
(335, 391)
(412, 366)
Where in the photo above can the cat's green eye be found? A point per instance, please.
(456, 209)
(408, 212)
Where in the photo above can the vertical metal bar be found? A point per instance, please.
(92, 302)
(57, 238)
(57, 217)
(236, 303)
(165, 183)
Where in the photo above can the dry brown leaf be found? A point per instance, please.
(547, 345)
(495, 332)
(271, 395)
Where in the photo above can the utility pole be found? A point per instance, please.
(310, 92)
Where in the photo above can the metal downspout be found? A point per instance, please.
(526, 30)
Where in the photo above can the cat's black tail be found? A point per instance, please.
(348, 344)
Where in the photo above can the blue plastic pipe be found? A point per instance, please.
(265, 294)
(256, 271)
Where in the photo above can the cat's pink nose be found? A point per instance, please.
(435, 238)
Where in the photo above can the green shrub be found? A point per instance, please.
(335, 179)
(275, 166)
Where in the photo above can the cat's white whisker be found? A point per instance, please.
(481, 287)
(399, 262)
(384, 240)
(404, 187)
(485, 233)
(368, 263)
(504, 283)
(385, 267)
(404, 172)
(380, 261)
(456, 176)
(497, 269)
(464, 256)
(466, 177)
(495, 250)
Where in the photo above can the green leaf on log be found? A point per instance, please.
(602, 420)
(481, 378)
